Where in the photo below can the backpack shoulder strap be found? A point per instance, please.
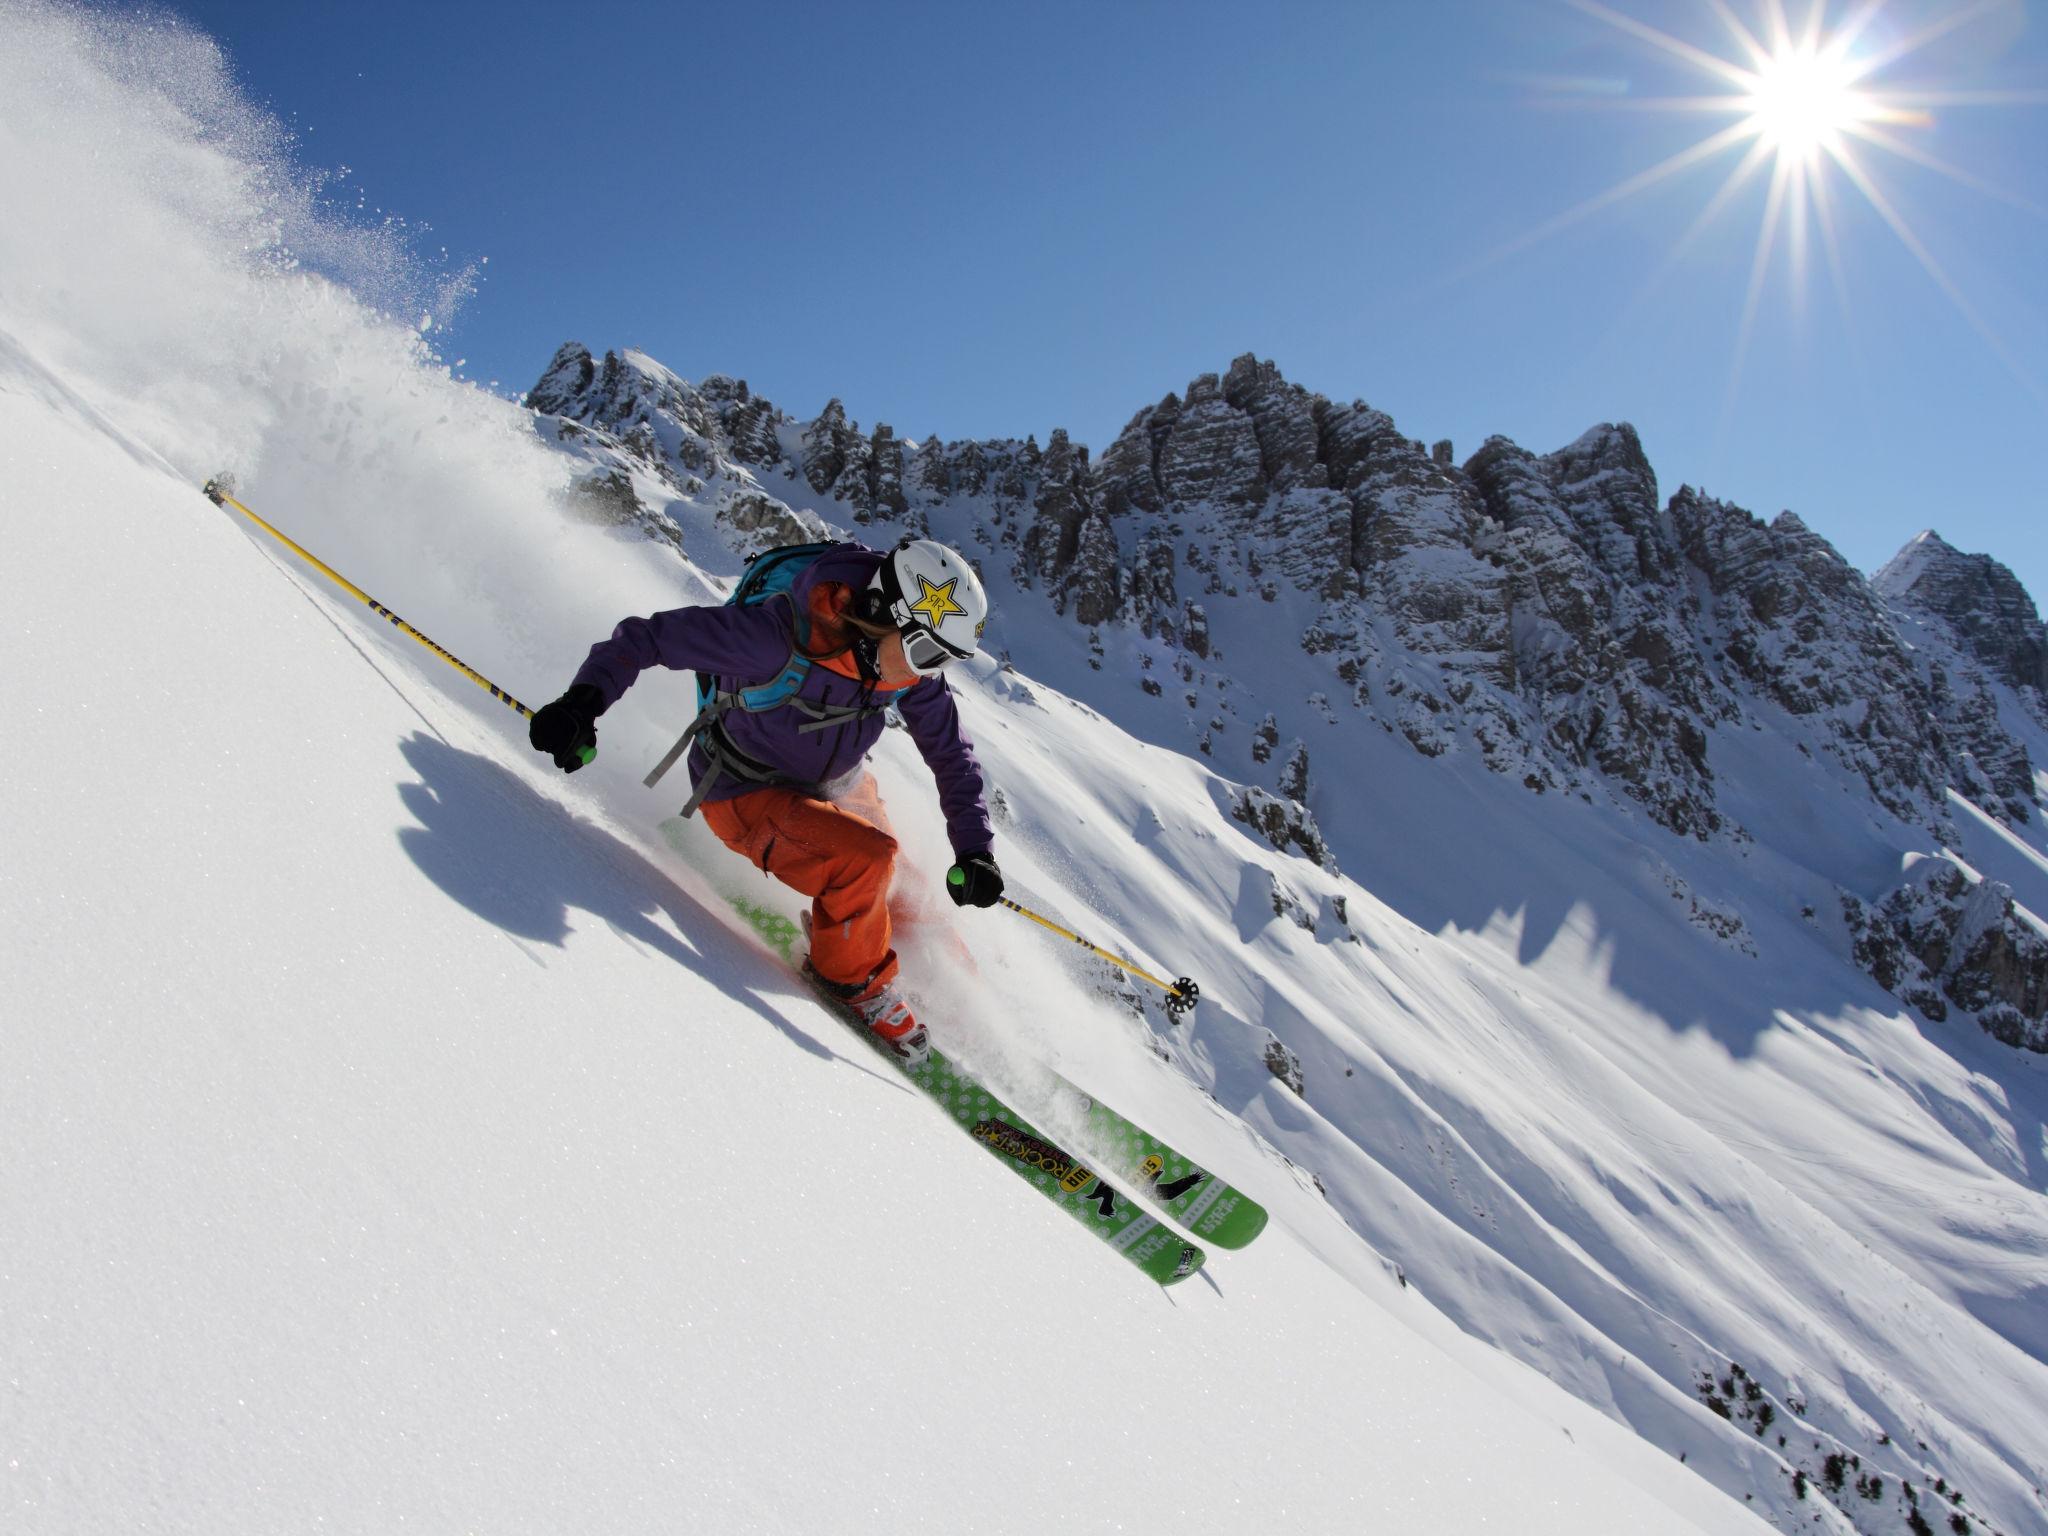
(768, 576)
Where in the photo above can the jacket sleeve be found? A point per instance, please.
(934, 721)
(747, 645)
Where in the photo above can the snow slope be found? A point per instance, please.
(392, 1141)
(398, 1133)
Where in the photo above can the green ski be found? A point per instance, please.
(1156, 1249)
(1193, 1196)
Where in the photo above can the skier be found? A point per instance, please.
(795, 674)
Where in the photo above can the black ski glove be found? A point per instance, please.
(567, 729)
(975, 881)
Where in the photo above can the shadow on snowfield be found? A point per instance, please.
(521, 861)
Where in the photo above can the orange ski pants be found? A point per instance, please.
(840, 853)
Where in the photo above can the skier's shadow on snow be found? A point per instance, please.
(521, 861)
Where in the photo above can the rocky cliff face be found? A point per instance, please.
(1550, 613)
(1604, 619)
(1801, 628)
(1980, 601)
(1981, 636)
(706, 442)
(676, 426)
(1543, 609)
(1944, 939)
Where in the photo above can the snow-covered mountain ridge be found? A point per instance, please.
(1543, 612)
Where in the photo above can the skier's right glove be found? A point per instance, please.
(567, 729)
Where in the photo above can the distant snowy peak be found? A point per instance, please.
(661, 451)
(630, 395)
(1979, 599)
(1897, 575)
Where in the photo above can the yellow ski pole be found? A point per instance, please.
(217, 493)
(1180, 995)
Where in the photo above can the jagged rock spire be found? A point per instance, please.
(1979, 599)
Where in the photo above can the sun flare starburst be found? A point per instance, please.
(1817, 106)
(1804, 100)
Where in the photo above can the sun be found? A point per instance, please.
(1804, 101)
(1819, 105)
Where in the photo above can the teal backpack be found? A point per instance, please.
(770, 574)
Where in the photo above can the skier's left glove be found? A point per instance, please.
(975, 881)
(567, 729)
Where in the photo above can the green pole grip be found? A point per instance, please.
(956, 876)
(586, 755)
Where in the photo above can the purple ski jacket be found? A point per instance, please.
(742, 646)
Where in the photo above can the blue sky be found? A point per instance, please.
(984, 221)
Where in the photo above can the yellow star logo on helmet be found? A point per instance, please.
(935, 604)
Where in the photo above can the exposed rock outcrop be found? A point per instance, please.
(1211, 451)
(1601, 619)
(1057, 513)
(676, 428)
(1286, 824)
(828, 442)
(1942, 939)
(1796, 622)
(1977, 598)
(1128, 475)
(1978, 633)
(1283, 423)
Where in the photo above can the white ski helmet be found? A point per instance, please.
(935, 601)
